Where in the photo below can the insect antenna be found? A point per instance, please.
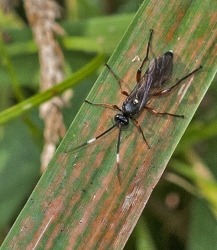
(118, 156)
(91, 140)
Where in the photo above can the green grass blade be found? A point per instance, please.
(79, 203)
(36, 100)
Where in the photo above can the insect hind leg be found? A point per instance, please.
(165, 91)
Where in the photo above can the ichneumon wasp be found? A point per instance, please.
(148, 86)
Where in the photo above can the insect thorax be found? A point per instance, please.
(130, 108)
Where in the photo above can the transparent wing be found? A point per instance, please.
(157, 73)
(159, 70)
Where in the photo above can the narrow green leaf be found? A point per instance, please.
(88, 35)
(11, 71)
(79, 202)
(38, 99)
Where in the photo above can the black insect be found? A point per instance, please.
(147, 86)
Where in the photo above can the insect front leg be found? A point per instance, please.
(140, 129)
(110, 106)
(123, 92)
(139, 71)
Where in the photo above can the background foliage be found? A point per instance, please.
(181, 213)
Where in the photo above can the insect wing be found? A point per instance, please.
(158, 72)
(160, 69)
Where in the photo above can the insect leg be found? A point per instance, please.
(162, 113)
(123, 92)
(139, 71)
(140, 129)
(93, 139)
(110, 106)
(165, 91)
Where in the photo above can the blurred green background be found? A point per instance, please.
(182, 210)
